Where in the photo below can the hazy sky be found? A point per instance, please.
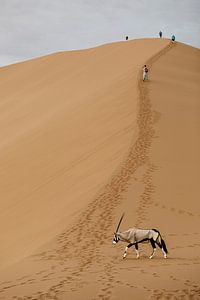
(30, 28)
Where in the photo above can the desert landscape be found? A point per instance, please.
(83, 139)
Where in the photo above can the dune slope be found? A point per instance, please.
(67, 121)
(84, 139)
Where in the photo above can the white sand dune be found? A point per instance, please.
(82, 139)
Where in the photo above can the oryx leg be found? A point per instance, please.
(154, 248)
(126, 249)
(136, 250)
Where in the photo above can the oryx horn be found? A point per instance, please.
(120, 222)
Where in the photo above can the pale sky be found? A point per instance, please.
(31, 28)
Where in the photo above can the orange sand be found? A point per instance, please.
(82, 139)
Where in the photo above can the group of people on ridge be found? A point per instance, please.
(172, 37)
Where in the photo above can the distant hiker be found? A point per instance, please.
(160, 34)
(145, 73)
(127, 38)
(173, 38)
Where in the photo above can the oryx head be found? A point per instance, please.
(116, 237)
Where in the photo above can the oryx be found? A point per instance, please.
(134, 236)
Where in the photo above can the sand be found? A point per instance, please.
(82, 140)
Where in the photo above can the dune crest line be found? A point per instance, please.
(146, 133)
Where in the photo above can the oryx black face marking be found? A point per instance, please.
(115, 239)
(134, 236)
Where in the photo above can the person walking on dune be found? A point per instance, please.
(145, 73)
(160, 34)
